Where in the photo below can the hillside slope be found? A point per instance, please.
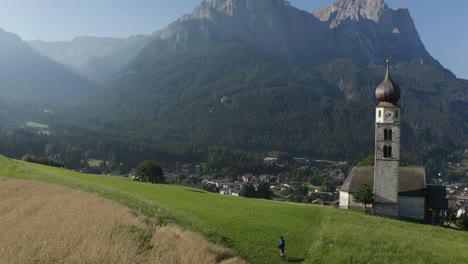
(28, 76)
(314, 234)
(89, 229)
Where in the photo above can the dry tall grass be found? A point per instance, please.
(45, 223)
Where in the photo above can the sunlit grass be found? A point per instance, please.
(94, 162)
(46, 223)
(251, 227)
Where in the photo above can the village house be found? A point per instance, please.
(458, 201)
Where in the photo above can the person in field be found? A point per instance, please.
(281, 244)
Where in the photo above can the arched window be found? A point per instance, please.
(387, 151)
(380, 113)
(387, 134)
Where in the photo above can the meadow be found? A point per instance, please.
(251, 227)
(48, 223)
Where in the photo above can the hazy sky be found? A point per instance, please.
(442, 24)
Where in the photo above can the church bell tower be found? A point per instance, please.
(387, 148)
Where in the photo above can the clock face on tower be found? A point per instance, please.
(388, 116)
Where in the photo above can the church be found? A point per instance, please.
(400, 192)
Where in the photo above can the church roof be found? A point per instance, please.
(388, 91)
(411, 181)
(357, 177)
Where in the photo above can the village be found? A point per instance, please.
(311, 181)
(293, 186)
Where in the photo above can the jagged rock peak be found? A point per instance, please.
(231, 7)
(341, 10)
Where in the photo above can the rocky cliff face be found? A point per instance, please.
(272, 25)
(366, 29)
(208, 9)
(359, 29)
(342, 10)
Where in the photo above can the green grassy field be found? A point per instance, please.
(313, 234)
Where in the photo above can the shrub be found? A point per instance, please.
(150, 171)
(42, 160)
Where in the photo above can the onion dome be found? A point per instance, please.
(388, 91)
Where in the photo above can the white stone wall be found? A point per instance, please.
(344, 200)
(379, 115)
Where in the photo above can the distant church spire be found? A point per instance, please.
(388, 91)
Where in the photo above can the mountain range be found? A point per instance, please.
(98, 59)
(264, 75)
(27, 75)
(362, 30)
